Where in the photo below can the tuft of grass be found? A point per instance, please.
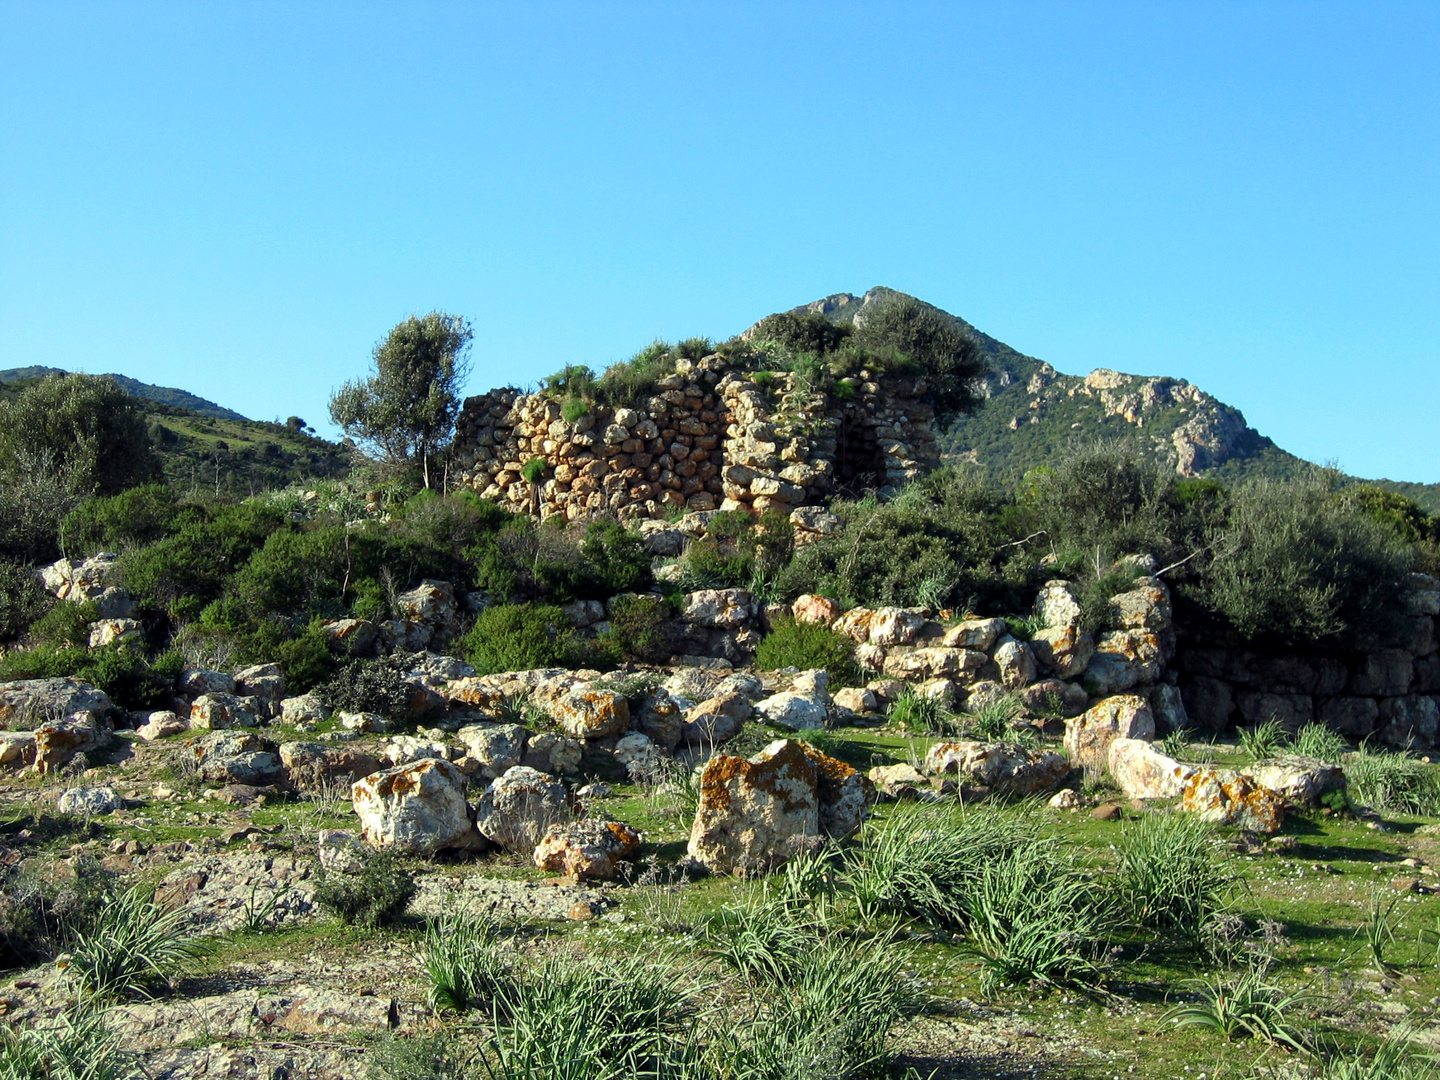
(459, 961)
(1247, 1004)
(76, 1046)
(991, 722)
(1379, 929)
(1397, 1058)
(1319, 742)
(1264, 740)
(1391, 782)
(1171, 878)
(378, 895)
(132, 944)
(827, 742)
(923, 714)
(1176, 744)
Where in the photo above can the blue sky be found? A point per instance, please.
(241, 198)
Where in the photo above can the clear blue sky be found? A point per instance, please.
(241, 198)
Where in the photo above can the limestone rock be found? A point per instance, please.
(757, 813)
(1145, 607)
(314, 766)
(935, 662)
(794, 710)
(57, 741)
(894, 626)
(161, 724)
(589, 713)
(236, 756)
(724, 609)
(341, 851)
(978, 634)
(640, 756)
(1409, 723)
(113, 631)
(29, 703)
(815, 609)
(856, 700)
(1235, 799)
(365, 723)
(1300, 781)
(551, 752)
(1057, 605)
(419, 807)
(89, 801)
(219, 712)
(844, 794)
(353, 637)
(518, 808)
(403, 749)
(1052, 697)
(716, 719)
(855, 624)
(901, 781)
(498, 747)
(1015, 662)
(1143, 772)
(587, 849)
(1003, 767)
(1124, 659)
(1066, 799)
(1089, 735)
(197, 681)
(264, 681)
(17, 748)
(659, 718)
(1064, 651)
(306, 709)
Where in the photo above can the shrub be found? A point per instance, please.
(574, 408)
(639, 628)
(1391, 782)
(1297, 562)
(133, 943)
(65, 624)
(924, 714)
(518, 637)
(22, 600)
(932, 340)
(128, 520)
(533, 470)
(122, 670)
(459, 961)
(806, 645)
(992, 720)
(376, 896)
(377, 686)
(1171, 878)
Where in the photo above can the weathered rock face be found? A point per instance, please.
(238, 757)
(1409, 722)
(551, 752)
(29, 703)
(264, 681)
(1300, 781)
(659, 719)
(757, 813)
(1229, 798)
(1063, 651)
(498, 747)
(815, 609)
(641, 757)
(979, 634)
(518, 808)
(793, 710)
(219, 712)
(161, 725)
(352, 637)
(419, 807)
(1124, 659)
(1143, 772)
(78, 581)
(89, 801)
(1089, 735)
(587, 849)
(197, 681)
(590, 713)
(306, 709)
(57, 741)
(1002, 767)
(716, 719)
(403, 749)
(934, 662)
(313, 766)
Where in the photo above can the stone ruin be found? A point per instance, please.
(710, 437)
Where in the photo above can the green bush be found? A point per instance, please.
(22, 600)
(377, 895)
(1171, 877)
(573, 409)
(376, 686)
(518, 637)
(806, 645)
(122, 669)
(639, 628)
(128, 520)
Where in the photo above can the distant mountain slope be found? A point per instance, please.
(166, 395)
(1035, 412)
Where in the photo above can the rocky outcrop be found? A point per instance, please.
(1089, 735)
(1003, 768)
(418, 807)
(587, 849)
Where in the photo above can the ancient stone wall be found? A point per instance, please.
(710, 437)
(1391, 691)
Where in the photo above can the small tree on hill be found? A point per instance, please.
(406, 411)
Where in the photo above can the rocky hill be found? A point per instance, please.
(166, 395)
(1034, 411)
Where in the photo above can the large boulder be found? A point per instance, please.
(934, 662)
(1231, 798)
(237, 757)
(264, 681)
(196, 681)
(220, 712)
(89, 801)
(724, 609)
(1143, 772)
(1063, 651)
(29, 703)
(518, 808)
(894, 626)
(57, 741)
(716, 720)
(1002, 767)
(314, 766)
(1089, 735)
(815, 609)
(352, 637)
(551, 752)
(1300, 781)
(978, 634)
(590, 713)
(757, 813)
(431, 603)
(1015, 663)
(587, 849)
(794, 710)
(498, 747)
(1124, 659)
(419, 807)
(305, 709)
(403, 749)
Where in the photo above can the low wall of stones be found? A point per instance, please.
(1391, 692)
(710, 437)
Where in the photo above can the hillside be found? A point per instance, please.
(1034, 412)
(165, 395)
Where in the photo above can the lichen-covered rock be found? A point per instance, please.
(89, 801)
(498, 747)
(1124, 659)
(551, 752)
(1144, 607)
(419, 807)
(587, 849)
(793, 710)
(265, 681)
(856, 700)
(894, 626)
(1051, 697)
(815, 609)
(590, 713)
(403, 749)
(1300, 781)
(1015, 663)
(29, 703)
(482, 694)
(755, 814)
(57, 741)
(1002, 767)
(716, 719)
(724, 609)
(855, 624)
(305, 709)
(1235, 799)
(340, 851)
(844, 794)
(196, 681)
(220, 712)
(640, 756)
(1143, 772)
(518, 808)
(161, 724)
(934, 662)
(364, 723)
(352, 637)
(978, 634)
(900, 781)
(1057, 605)
(1064, 651)
(236, 756)
(1089, 735)
(659, 719)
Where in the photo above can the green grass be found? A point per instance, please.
(134, 943)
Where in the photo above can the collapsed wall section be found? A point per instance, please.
(710, 437)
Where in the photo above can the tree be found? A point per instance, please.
(949, 357)
(80, 429)
(406, 411)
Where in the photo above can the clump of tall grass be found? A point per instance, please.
(459, 960)
(133, 943)
(1244, 1004)
(1035, 916)
(922, 862)
(991, 721)
(1392, 782)
(76, 1046)
(1171, 878)
(1264, 740)
(1397, 1058)
(924, 714)
(1319, 742)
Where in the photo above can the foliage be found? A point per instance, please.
(1245, 1004)
(406, 411)
(1391, 782)
(77, 1045)
(1397, 1058)
(924, 714)
(134, 942)
(1171, 878)
(82, 427)
(374, 686)
(803, 332)
(992, 720)
(131, 678)
(1299, 562)
(639, 628)
(532, 471)
(375, 896)
(22, 600)
(518, 637)
(1263, 740)
(459, 961)
(949, 357)
(1318, 741)
(130, 519)
(806, 645)
(738, 551)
